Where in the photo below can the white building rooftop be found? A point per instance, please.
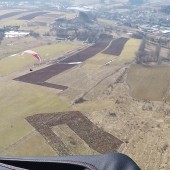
(13, 34)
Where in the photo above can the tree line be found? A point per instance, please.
(144, 56)
(2, 34)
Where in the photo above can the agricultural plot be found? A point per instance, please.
(39, 77)
(11, 14)
(127, 55)
(12, 46)
(46, 51)
(24, 100)
(116, 46)
(89, 52)
(31, 16)
(96, 138)
(149, 83)
(107, 22)
(95, 112)
(52, 15)
(48, 17)
(38, 29)
(24, 146)
(2, 12)
(82, 81)
(44, 121)
(12, 21)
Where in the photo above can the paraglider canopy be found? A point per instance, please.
(33, 53)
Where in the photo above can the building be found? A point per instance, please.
(14, 34)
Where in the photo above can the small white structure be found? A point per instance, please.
(14, 34)
(108, 63)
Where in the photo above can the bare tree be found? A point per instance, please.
(160, 59)
(2, 34)
(140, 55)
(168, 54)
(157, 52)
(142, 45)
(34, 34)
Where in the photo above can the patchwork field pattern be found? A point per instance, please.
(96, 138)
(89, 52)
(116, 46)
(31, 16)
(40, 76)
(7, 15)
(48, 122)
(19, 61)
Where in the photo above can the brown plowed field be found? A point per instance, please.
(89, 52)
(39, 77)
(55, 86)
(32, 15)
(116, 46)
(95, 137)
(11, 14)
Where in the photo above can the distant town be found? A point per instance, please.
(134, 17)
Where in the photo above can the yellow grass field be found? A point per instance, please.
(107, 22)
(13, 20)
(19, 100)
(11, 46)
(32, 144)
(38, 29)
(128, 53)
(68, 137)
(149, 83)
(15, 63)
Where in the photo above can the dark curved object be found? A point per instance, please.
(112, 161)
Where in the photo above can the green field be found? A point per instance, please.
(149, 83)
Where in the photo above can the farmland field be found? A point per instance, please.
(127, 54)
(107, 22)
(11, 46)
(82, 98)
(11, 14)
(40, 76)
(31, 16)
(47, 51)
(15, 106)
(149, 83)
(89, 52)
(116, 46)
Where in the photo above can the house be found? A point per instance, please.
(13, 34)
